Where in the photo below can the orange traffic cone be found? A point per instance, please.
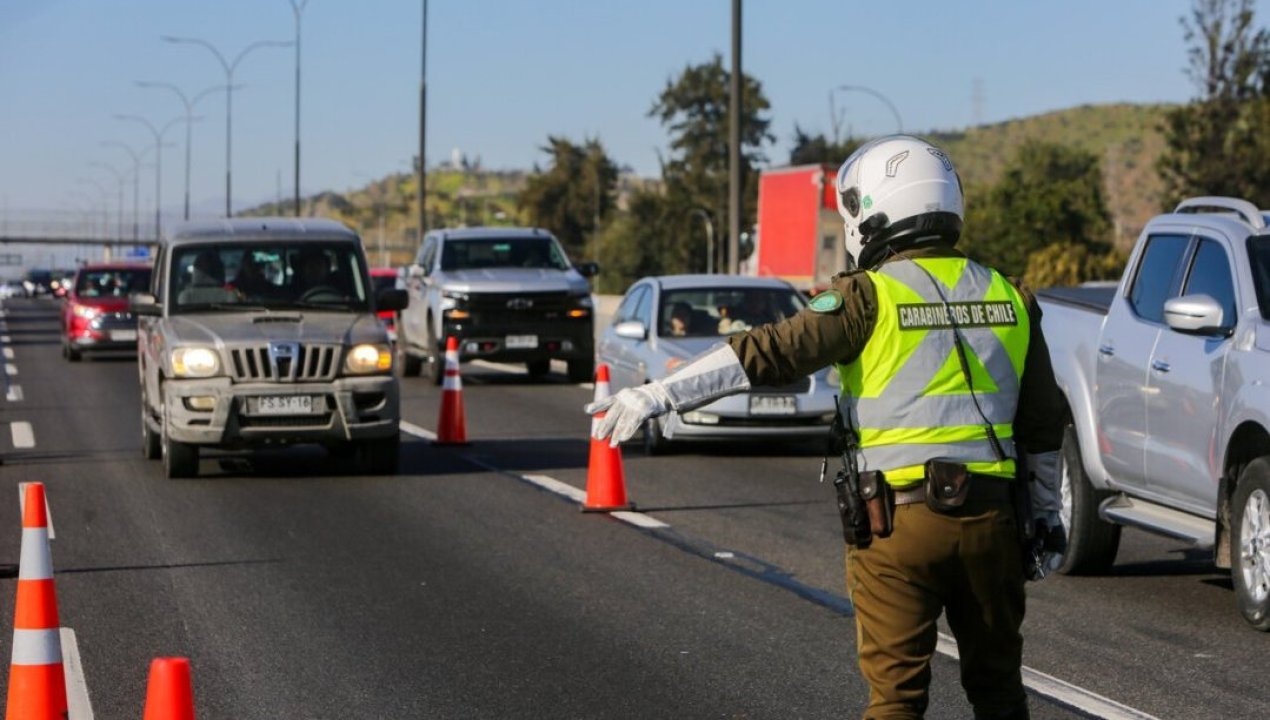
(605, 480)
(452, 427)
(170, 692)
(37, 683)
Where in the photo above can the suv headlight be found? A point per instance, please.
(451, 299)
(366, 359)
(194, 362)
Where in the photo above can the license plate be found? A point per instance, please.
(521, 342)
(284, 405)
(773, 405)
(123, 335)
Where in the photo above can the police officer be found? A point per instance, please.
(939, 358)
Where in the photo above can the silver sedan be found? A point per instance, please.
(666, 320)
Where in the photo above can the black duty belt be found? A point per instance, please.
(982, 487)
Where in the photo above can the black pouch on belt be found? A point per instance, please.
(947, 484)
(879, 501)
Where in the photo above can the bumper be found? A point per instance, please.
(564, 340)
(89, 344)
(353, 409)
(731, 419)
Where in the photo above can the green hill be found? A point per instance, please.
(1126, 137)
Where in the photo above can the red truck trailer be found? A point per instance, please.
(799, 236)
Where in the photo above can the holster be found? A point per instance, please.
(857, 531)
(879, 502)
(947, 484)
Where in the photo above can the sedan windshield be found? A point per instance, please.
(521, 252)
(272, 276)
(710, 312)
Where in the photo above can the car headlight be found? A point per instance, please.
(451, 299)
(583, 301)
(365, 359)
(87, 312)
(194, 362)
(832, 379)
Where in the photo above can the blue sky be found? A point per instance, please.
(503, 74)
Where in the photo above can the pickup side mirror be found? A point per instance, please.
(631, 330)
(392, 299)
(144, 304)
(588, 268)
(415, 272)
(1195, 314)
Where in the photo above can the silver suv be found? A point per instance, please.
(263, 331)
(507, 294)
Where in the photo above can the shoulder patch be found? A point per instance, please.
(827, 301)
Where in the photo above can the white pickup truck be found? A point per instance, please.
(1167, 379)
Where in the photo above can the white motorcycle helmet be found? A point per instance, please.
(895, 192)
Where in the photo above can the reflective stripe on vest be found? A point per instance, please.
(906, 391)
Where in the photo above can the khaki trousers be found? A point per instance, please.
(968, 564)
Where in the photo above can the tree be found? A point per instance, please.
(1215, 144)
(633, 244)
(694, 109)
(818, 150)
(572, 198)
(1048, 195)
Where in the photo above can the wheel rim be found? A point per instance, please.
(1254, 546)
(1065, 492)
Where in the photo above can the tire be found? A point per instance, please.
(410, 364)
(1091, 541)
(655, 443)
(582, 370)
(180, 460)
(538, 369)
(150, 440)
(1250, 546)
(379, 456)
(434, 360)
(71, 353)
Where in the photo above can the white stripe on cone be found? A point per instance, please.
(452, 380)
(601, 392)
(35, 563)
(37, 647)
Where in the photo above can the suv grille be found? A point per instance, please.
(517, 307)
(312, 363)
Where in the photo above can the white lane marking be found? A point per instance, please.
(80, 707)
(8, 353)
(10, 369)
(14, 393)
(639, 519)
(48, 512)
(553, 485)
(1049, 686)
(6, 339)
(415, 430)
(23, 434)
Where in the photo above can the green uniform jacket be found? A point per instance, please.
(780, 353)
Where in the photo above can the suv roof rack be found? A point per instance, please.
(1248, 212)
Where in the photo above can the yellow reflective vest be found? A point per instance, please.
(907, 392)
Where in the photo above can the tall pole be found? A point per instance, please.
(158, 164)
(189, 125)
(136, 184)
(119, 213)
(297, 8)
(105, 202)
(421, 173)
(899, 122)
(734, 145)
(229, 68)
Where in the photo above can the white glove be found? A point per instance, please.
(620, 416)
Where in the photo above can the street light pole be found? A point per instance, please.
(705, 216)
(136, 183)
(735, 189)
(189, 124)
(421, 172)
(229, 68)
(158, 165)
(105, 202)
(297, 8)
(899, 123)
(119, 213)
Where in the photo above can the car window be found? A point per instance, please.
(710, 312)
(275, 275)
(1259, 258)
(428, 254)
(643, 308)
(115, 283)
(1210, 275)
(156, 279)
(626, 311)
(533, 252)
(1156, 279)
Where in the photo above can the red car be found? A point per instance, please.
(95, 313)
(385, 279)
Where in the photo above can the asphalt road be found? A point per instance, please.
(457, 589)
